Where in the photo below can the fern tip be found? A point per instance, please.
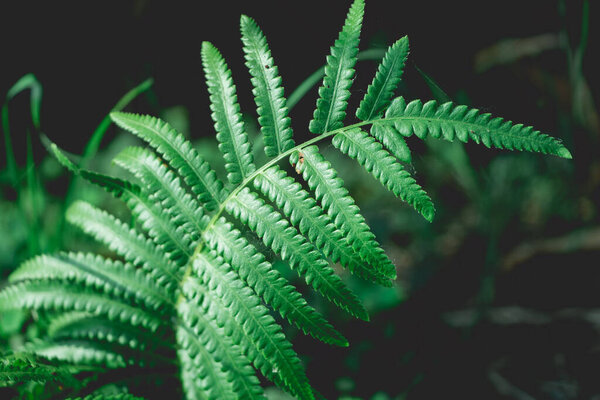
(429, 213)
(564, 153)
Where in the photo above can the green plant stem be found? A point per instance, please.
(92, 146)
(27, 81)
(34, 245)
(11, 162)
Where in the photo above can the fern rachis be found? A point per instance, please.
(193, 285)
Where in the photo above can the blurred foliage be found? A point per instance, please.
(498, 298)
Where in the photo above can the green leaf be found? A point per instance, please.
(120, 280)
(231, 135)
(23, 368)
(178, 151)
(392, 140)
(165, 188)
(369, 153)
(235, 308)
(267, 90)
(339, 73)
(78, 353)
(389, 73)
(310, 219)
(62, 296)
(268, 283)
(198, 334)
(276, 232)
(330, 191)
(125, 241)
(449, 121)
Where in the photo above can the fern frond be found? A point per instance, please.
(380, 91)
(339, 73)
(235, 307)
(178, 151)
(87, 327)
(268, 93)
(369, 153)
(330, 191)
(268, 283)
(206, 373)
(448, 121)
(176, 242)
(233, 139)
(125, 241)
(389, 137)
(120, 280)
(165, 189)
(61, 296)
(79, 354)
(194, 388)
(193, 314)
(310, 219)
(118, 396)
(276, 232)
(21, 368)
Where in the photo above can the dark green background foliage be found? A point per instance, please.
(497, 298)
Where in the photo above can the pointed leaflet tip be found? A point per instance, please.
(429, 213)
(116, 117)
(244, 19)
(564, 153)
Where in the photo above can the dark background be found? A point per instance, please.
(88, 54)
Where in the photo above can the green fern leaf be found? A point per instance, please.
(380, 91)
(120, 280)
(193, 313)
(207, 374)
(268, 93)
(86, 327)
(21, 368)
(178, 151)
(176, 243)
(126, 242)
(368, 152)
(339, 72)
(448, 121)
(268, 283)
(276, 232)
(389, 137)
(119, 396)
(77, 353)
(231, 135)
(165, 188)
(240, 313)
(310, 219)
(329, 190)
(59, 296)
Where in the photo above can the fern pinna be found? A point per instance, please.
(190, 293)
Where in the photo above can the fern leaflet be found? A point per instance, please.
(339, 71)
